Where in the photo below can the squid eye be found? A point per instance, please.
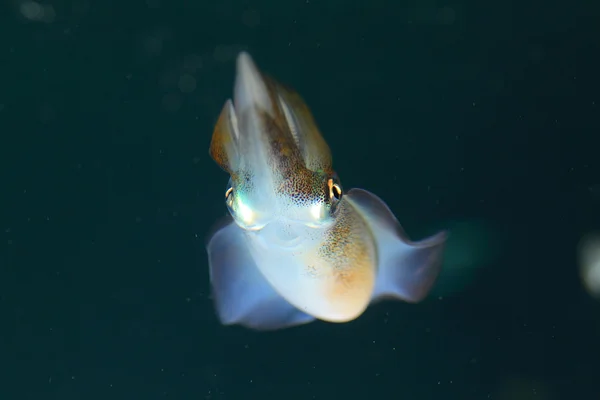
(335, 191)
(229, 197)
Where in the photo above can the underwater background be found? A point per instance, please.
(478, 117)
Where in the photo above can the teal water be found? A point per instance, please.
(474, 116)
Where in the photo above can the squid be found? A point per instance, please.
(296, 247)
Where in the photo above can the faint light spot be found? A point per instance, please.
(187, 83)
(589, 263)
(251, 18)
(34, 11)
(594, 189)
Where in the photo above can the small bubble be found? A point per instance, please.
(594, 189)
(32, 10)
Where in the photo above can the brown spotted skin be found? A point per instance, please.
(344, 265)
(350, 252)
(313, 147)
(221, 139)
(296, 178)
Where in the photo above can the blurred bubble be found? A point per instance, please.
(594, 189)
(150, 44)
(589, 263)
(472, 245)
(31, 10)
(187, 83)
(34, 11)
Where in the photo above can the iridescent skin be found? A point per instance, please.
(297, 247)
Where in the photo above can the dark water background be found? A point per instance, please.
(482, 117)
